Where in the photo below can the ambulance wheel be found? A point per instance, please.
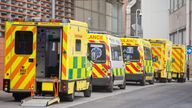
(110, 87)
(184, 79)
(163, 80)
(143, 82)
(20, 96)
(87, 93)
(70, 97)
(123, 86)
(152, 81)
(169, 80)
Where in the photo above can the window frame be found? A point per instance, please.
(146, 55)
(105, 52)
(78, 46)
(17, 47)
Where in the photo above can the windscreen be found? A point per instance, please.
(97, 52)
(131, 53)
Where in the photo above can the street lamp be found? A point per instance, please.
(136, 25)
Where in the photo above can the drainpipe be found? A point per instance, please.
(188, 32)
(128, 15)
(53, 9)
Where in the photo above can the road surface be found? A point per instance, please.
(160, 95)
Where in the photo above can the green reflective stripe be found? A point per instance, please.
(70, 73)
(83, 62)
(78, 73)
(75, 62)
(78, 67)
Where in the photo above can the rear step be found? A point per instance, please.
(39, 101)
(42, 101)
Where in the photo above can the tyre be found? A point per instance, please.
(151, 82)
(70, 97)
(169, 80)
(110, 87)
(20, 96)
(87, 93)
(163, 80)
(123, 86)
(143, 82)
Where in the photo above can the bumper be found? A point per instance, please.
(101, 81)
(134, 77)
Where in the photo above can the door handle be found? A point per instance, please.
(31, 60)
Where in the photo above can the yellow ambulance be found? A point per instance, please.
(162, 61)
(107, 61)
(46, 57)
(138, 60)
(178, 63)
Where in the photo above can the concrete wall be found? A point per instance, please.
(177, 19)
(1, 61)
(155, 18)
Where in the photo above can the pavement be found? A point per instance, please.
(134, 96)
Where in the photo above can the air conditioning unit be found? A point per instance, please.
(20, 3)
(13, 2)
(28, 5)
(35, 7)
(20, 10)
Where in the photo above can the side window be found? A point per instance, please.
(23, 42)
(78, 45)
(147, 53)
(116, 52)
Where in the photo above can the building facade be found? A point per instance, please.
(133, 18)
(34, 8)
(101, 15)
(180, 21)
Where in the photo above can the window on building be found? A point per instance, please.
(23, 42)
(78, 45)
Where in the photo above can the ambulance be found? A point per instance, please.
(46, 57)
(162, 61)
(137, 57)
(104, 51)
(178, 62)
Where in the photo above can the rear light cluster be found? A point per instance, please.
(6, 85)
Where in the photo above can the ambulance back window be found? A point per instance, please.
(97, 52)
(23, 42)
(131, 53)
(116, 54)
